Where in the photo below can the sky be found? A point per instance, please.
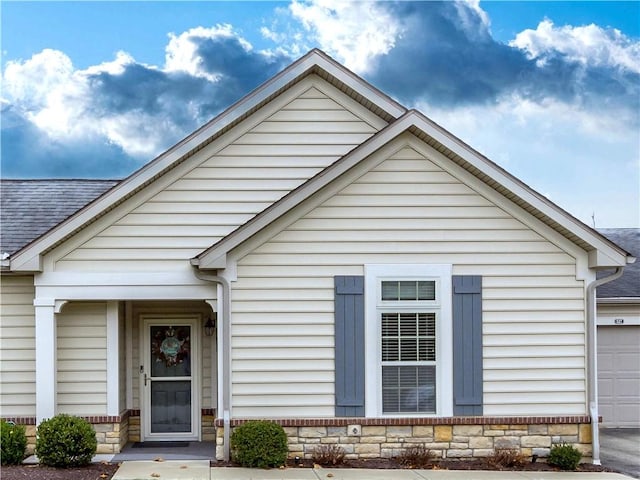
(550, 91)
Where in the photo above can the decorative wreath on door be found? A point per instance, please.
(170, 347)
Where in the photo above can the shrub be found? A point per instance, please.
(260, 444)
(328, 454)
(564, 456)
(13, 443)
(65, 441)
(417, 456)
(505, 458)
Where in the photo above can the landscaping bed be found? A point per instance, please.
(104, 471)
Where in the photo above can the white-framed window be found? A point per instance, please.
(408, 338)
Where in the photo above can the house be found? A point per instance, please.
(320, 256)
(619, 338)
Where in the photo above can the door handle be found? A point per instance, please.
(145, 379)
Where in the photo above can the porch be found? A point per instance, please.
(139, 371)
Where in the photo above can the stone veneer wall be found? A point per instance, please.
(112, 432)
(459, 438)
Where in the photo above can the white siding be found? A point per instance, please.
(407, 210)
(82, 359)
(17, 346)
(277, 152)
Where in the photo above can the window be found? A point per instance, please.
(405, 323)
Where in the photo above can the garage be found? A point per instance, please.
(618, 313)
(619, 375)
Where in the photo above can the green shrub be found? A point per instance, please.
(260, 444)
(564, 456)
(13, 443)
(65, 441)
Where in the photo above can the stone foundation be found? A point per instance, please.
(114, 432)
(207, 426)
(452, 438)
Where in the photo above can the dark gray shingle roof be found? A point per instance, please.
(30, 208)
(629, 284)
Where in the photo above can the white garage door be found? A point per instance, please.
(619, 375)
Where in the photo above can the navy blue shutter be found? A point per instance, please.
(467, 345)
(349, 340)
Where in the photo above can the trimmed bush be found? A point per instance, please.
(13, 443)
(259, 444)
(564, 456)
(65, 441)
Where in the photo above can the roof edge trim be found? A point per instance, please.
(25, 259)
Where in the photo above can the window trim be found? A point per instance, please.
(374, 275)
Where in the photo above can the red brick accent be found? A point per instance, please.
(339, 422)
(21, 420)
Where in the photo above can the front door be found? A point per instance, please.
(169, 378)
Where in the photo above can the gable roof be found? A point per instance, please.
(602, 252)
(314, 62)
(627, 286)
(30, 208)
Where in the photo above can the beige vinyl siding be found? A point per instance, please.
(275, 155)
(82, 359)
(407, 210)
(17, 346)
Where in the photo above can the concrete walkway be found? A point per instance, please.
(200, 470)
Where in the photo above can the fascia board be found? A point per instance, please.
(365, 89)
(27, 259)
(607, 254)
(208, 258)
(618, 300)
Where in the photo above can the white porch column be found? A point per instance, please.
(113, 360)
(46, 345)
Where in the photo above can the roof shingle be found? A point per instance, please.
(629, 284)
(30, 208)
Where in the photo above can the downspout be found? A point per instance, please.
(592, 359)
(226, 355)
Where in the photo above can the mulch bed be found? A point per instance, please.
(104, 471)
(95, 471)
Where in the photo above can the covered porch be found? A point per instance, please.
(141, 367)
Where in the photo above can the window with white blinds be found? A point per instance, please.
(408, 323)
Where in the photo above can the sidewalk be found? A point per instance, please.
(200, 470)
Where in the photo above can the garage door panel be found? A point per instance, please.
(606, 361)
(630, 413)
(619, 375)
(628, 389)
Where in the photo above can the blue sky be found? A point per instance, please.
(548, 90)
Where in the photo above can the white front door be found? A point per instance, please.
(169, 377)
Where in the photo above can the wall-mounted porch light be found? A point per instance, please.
(210, 325)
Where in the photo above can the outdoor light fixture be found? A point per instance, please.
(210, 325)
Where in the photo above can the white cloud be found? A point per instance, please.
(589, 45)
(468, 11)
(353, 32)
(182, 53)
(136, 107)
(31, 82)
